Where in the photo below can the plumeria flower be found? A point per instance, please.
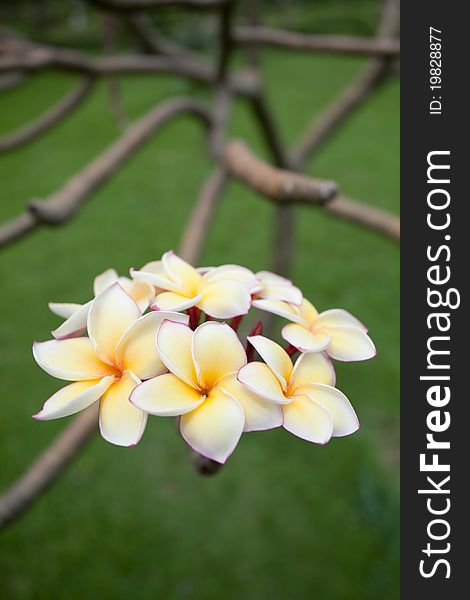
(276, 288)
(76, 314)
(117, 355)
(202, 388)
(180, 286)
(313, 409)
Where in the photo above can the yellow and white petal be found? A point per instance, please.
(233, 273)
(181, 272)
(174, 345)
(214, 428)
(166, 396)
(280, 308)
(225, 299)
(75, 325)
(73, 359)
(303, 339)
(312, 368)
(274, 356)
(216, 352)
(111, 314)
(308, 420)
(73, 397)
(350, 344)
(121, 423)
(270, 277)
(345, 420)
(259, 414)
(154, 274)
(337, 317)
(137, 351)
(260, 380)
(104, 280)
(286, 293)
(308, 311)
(63, 309)
(175, 302)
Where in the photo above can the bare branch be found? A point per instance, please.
(133, 6)
(50, 118)
(11, 80)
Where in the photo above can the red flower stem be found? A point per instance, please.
(257, 329)
(290, 349)
(194, 317)
(235, 322)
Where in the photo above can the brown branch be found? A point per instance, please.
(133, 6)
(11, 80)
(291, 40)
(62, 205)
(50, 118)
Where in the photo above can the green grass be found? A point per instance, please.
(283, 519)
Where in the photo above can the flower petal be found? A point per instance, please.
(270, 277)
(111, 314)
(154, 274)
(141, 291)
(166, 396)
(274, 356)
(345, 420)
(174, 344)
(350, 344)
(286, 293)
(259, 379)
(260, 414)
(75, 325)
(312, 368)
(303, 339)
(337, 317)
(308, 420)
(72, 360)
(137, 351)
(308, 311)
(215, 427)
(174, 302)
(73, 397)
(216, 352)
(121, 423)
(181, 272)
(280, 308)
(233, 273)
(104, 280)
(225, 299)
(63, 309)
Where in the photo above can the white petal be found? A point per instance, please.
(277, 307)
(175, 302)
(274, 356)
(303, 339)
(233, 273)
(259, 379)
(260, 414)
(308, 420)
(141, 291)
(225, 299)
(73, 397)
(335, 402)
(181, 272)
(216, 351)
(75, 325)
(111, 314)
(312, 368)
(104, 280)
(155, 274)
(337, 317)
(166, 396)
(350, 344)
(285, 293)
(174, 344)
(137, 351)
(308, 311)
(63, 309)
(215, 427)
(73, 359)
(270, 277)
(121, 423)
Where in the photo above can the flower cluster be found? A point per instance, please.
(177, 359)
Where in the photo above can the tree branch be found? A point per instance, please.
(133, 6)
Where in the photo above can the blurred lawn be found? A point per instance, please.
(284, 519)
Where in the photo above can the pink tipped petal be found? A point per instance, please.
(75, 325)
(260, 380)
(260, 414)
(141, 292)
(350, 344)
(312, 368)
(216, 352)
(274, 356)
(74, 397)
(308, 420)
(175, 302)
(280, 308)
(233, 273)
(345, 420)
(63, 309)
(270, 277)
(181, 272)
(73, 359)
(303, 339)
(104, 280)
(214, 428)
(225, 299)
(121, 423)
(166, 396)
(174, 345)
(337, 317)
(286, 293)
(111, 314)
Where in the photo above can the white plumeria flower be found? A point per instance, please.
(184, 287)
(117, 354)
(76, 314)
(313, 409)
(202, 389)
